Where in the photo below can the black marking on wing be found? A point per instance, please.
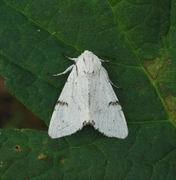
(76, 70)
(84, 123)
(115, 103)
(88, 123)
(93, 122)
(62, 103)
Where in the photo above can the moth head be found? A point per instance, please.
(89, 62)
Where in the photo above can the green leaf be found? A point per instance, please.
(140, 35)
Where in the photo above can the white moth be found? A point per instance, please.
(87, 98)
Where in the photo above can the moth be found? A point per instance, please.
(87, 98)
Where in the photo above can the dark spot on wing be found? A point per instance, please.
(84, 123)
(115, 103)
(62, 103)
(93, 122)
(77, 70)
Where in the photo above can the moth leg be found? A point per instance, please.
(114, 84)
(72, 59)
(67, 70)
(110, 80)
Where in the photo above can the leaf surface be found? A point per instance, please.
(140, 36)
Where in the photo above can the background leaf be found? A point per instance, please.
(140, 35)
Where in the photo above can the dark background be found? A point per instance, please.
(13, 114)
